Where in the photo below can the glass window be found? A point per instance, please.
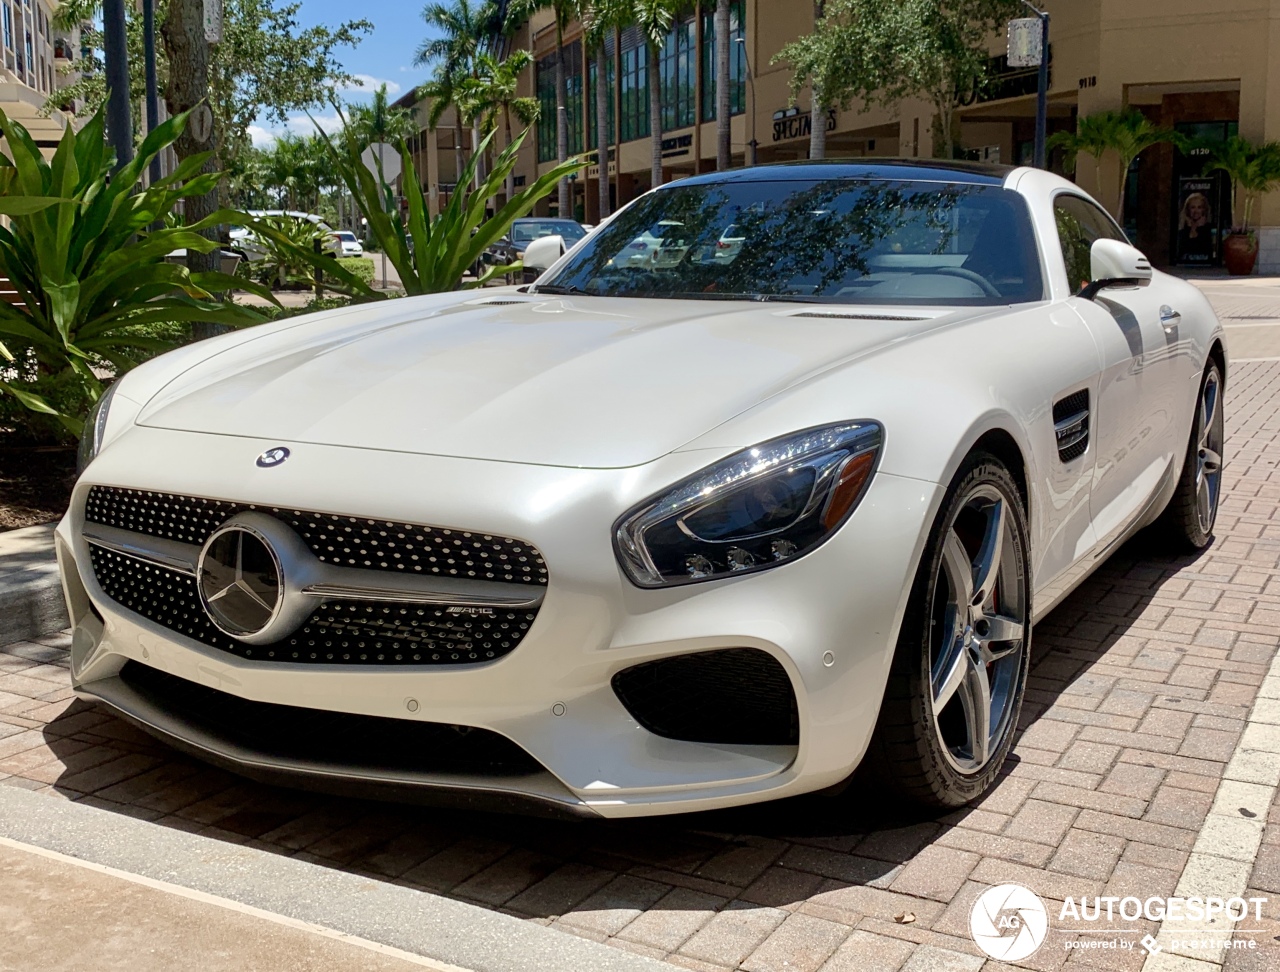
(1080, 222)
(526, 230)
(546, 94)
(679, 85)
(635, 87)
(841, 240)
(737, 61)
(592, 71)
(8, 26)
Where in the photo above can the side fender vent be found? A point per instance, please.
(1071, 425)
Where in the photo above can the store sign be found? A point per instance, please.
(790, 123)
(1199, 221)
(679, 145)
(1026, 42)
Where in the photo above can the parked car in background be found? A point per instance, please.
(349, 242)
(511, 247)
(246, 242)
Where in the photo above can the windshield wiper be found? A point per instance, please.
(561, 290)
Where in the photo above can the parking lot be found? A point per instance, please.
(1142, 685)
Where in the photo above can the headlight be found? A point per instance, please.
(94, 427)
(761, 507)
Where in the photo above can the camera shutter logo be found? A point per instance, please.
(1009, 922)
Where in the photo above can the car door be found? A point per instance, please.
(1132, 420)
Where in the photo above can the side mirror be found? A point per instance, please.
(542, 252)
(1115, 264)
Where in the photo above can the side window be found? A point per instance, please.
(1079, 223)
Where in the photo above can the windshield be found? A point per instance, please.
(525, 231)
(839, 240)
(346, 236)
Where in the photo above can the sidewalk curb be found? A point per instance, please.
(418, 922)
(31, 603)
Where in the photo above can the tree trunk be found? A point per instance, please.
(457, 146)
(511, 173)
(188, 87)
(943, 143)
(655, 116)
(817, 113)
(724, 111)
(563, 196)
(817, 129)
(602, 129)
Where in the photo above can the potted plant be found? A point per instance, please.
(1253, 170)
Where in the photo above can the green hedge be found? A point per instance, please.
(362, 267)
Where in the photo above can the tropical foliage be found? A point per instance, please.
(1128, 133)
(90, 274)
(882, 52)
(430, 254)
(1254, 171)
(267, 66)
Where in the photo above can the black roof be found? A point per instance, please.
(923, 170)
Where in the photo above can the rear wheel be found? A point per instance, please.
(1189, 518)
(960, 668)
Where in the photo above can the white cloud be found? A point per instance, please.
(261, 137)
(303, 124)
(368, 84)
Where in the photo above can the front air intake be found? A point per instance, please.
(734, 695)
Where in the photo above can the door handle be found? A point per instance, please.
(1169, 317)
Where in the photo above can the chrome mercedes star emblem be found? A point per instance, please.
(273, 457)
(239, 578)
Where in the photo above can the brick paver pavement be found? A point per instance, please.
(1139, 691)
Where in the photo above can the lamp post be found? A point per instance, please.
(1042, 88)
(116, 54)
(149, 57)
(751, 85)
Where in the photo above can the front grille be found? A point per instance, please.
(345, 541)
(734, 695)
(337, 633)
(330, 738)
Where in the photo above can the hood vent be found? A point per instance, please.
(499, 302)
(858, 317)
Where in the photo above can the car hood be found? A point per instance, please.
(586, 382)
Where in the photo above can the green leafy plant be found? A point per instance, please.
(281, 263)
(1128, 133)
(88, 274)
(362, 267)
(1254, 171)
(430, 254)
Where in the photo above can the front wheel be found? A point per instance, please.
(960, 668)
(1190, 516)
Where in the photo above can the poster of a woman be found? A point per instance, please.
(1197, 241)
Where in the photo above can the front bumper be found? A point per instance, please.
(830, 619)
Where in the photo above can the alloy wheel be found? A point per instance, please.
(1209, 436)
(979, 629)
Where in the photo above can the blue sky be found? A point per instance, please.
(386, 53)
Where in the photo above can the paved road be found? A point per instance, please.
(1147, 763)
(1249, 308)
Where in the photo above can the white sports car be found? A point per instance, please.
(647, 539)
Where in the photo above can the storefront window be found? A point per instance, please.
(678, 81)
(546, 93)
(592, 70)
(635, 87)
(737, 61)
(1202, 201)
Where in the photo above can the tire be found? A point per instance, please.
(1188, 520)
(923, 748)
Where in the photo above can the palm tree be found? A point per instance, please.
(381, 121)
(467, 29)
(1128, 133)
(565, 12)
(1253, 171)
(493, 92)
(724, 147)
(653, 18)
(817, 112)
(603, 18)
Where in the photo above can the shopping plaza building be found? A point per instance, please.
(1204, 69)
